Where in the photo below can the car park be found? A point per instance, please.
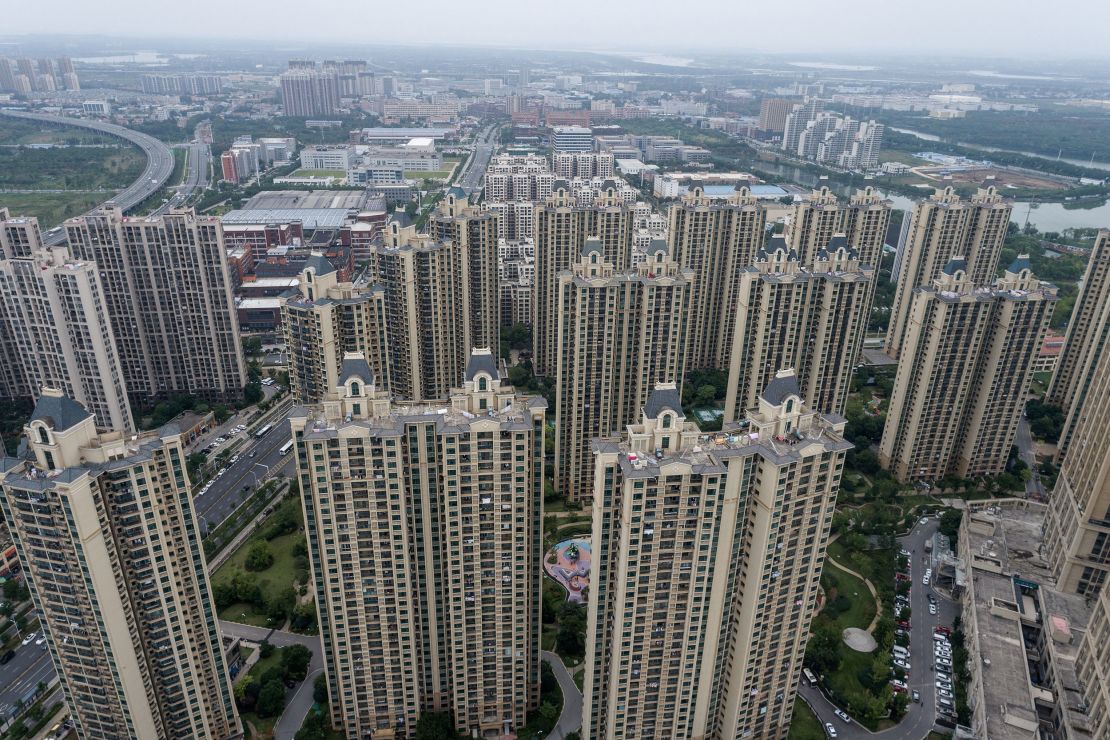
(842, 714)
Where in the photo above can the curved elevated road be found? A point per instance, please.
(159, 160)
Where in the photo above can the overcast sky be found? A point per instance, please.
(1014, 28)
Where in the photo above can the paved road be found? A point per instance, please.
(226, 491)
(19, 677)
(485, 144)
(920, 718)
(1034, 488)
(570, 719)
(297, 706)
(159, 160)
(198, 159)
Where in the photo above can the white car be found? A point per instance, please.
(932, 608)
(897, 684)
(924, 520)
(842, 714)
(235, 459)
(903, 664)
(830, 730)
(944, 662)
(27, 640)
(41, 640)
(222, 471)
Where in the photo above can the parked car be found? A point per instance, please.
(6, 657)
(842, 714)
(30, 637)
(41, 640)
(904, 665)
(924, 520)
(940, 629)
(944, 662)
(897, 684)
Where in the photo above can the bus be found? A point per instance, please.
(286, 448)
(810, 678)
(263, 431)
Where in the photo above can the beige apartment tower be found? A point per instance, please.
(942, 228)
(1078, 526)
(820, 216)
(706, 564)
(424, 526)
(1085, 345)
(109, 543)
(1093, 665)
(561, 229)
(716, 239)
(620, 333)
(475, 232)
(55, 332)
(964, 374)
(323, 321)
(169, 300)
(789, 316)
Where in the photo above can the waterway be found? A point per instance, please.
(1044, 216)
(1092, 163)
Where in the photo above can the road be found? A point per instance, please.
(484, 146)
(30, 665)
(570, 719)
(225, 494)
(1034, 488)
(297, 707)
(159, 161)
(198, 159)
(920, 718)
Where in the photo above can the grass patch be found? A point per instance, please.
(52, 208)
(848, 603)
(244, 613)
(804, 724)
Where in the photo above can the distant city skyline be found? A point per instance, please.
(1074, 31)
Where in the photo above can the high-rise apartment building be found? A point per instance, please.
(55, 331)
(43, 75)
(1093, 665)
(964, 374)
(943, 228)
(620, 332)
(707, 556)
(1079, 515)
(810, 318)
(1085, 344)
(561, 229)
(324, 321)
(109, 544)
(716, 238)
(308, 91)
(568, 165)
(820, 216)
(797, 121)
(424, 526)
(475, 232)
(168, 291)
(773, 113)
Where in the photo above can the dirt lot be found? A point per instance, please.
(1002, 177)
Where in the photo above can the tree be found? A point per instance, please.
(281, 604)
(823, 650)
(320, 689)
(271, 700)
(295, 660)
(265, 649)
(435, 726)
(950, 523)
(259, 556)
(704, 395)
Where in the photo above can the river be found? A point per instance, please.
(1043, 216)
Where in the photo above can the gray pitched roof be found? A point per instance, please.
(656, 246)
(319, 263)
(356, 367)
(662, 399)
(61, 413)
(839, 241)
(481, 362)
(780, 387)
(777, 242)
(590, 245)
(1021, 262)
(458, 192)
(954, 264)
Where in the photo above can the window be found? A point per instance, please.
(666, 421)
(481, 383)
(354, 389)
(43, 436)
(789, 405)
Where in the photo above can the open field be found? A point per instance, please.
(999, 176)
(52, 208)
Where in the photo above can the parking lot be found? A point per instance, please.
(924, 672)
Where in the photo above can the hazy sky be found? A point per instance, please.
(1014, 28)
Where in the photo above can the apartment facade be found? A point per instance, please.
(561, 229)
(708, 555)
(945, 227)
(424, 525)
(110, 546)
(963, 377)
(820, 216)
(812, 319)
(717, 240)
(1093, 665)
(475, 232)
(170, 302)
(619, 333)
(322, 322)
(55, 333)
(1085, 343)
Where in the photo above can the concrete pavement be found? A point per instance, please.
(920, 718)
(23, 673)
(1034, 488)
(159, 161)
(570, 719)
(484, 146)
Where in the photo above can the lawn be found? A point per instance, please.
(52, 208)
(804, 725)
(856, 609)
(263, 726)
(280, 574)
